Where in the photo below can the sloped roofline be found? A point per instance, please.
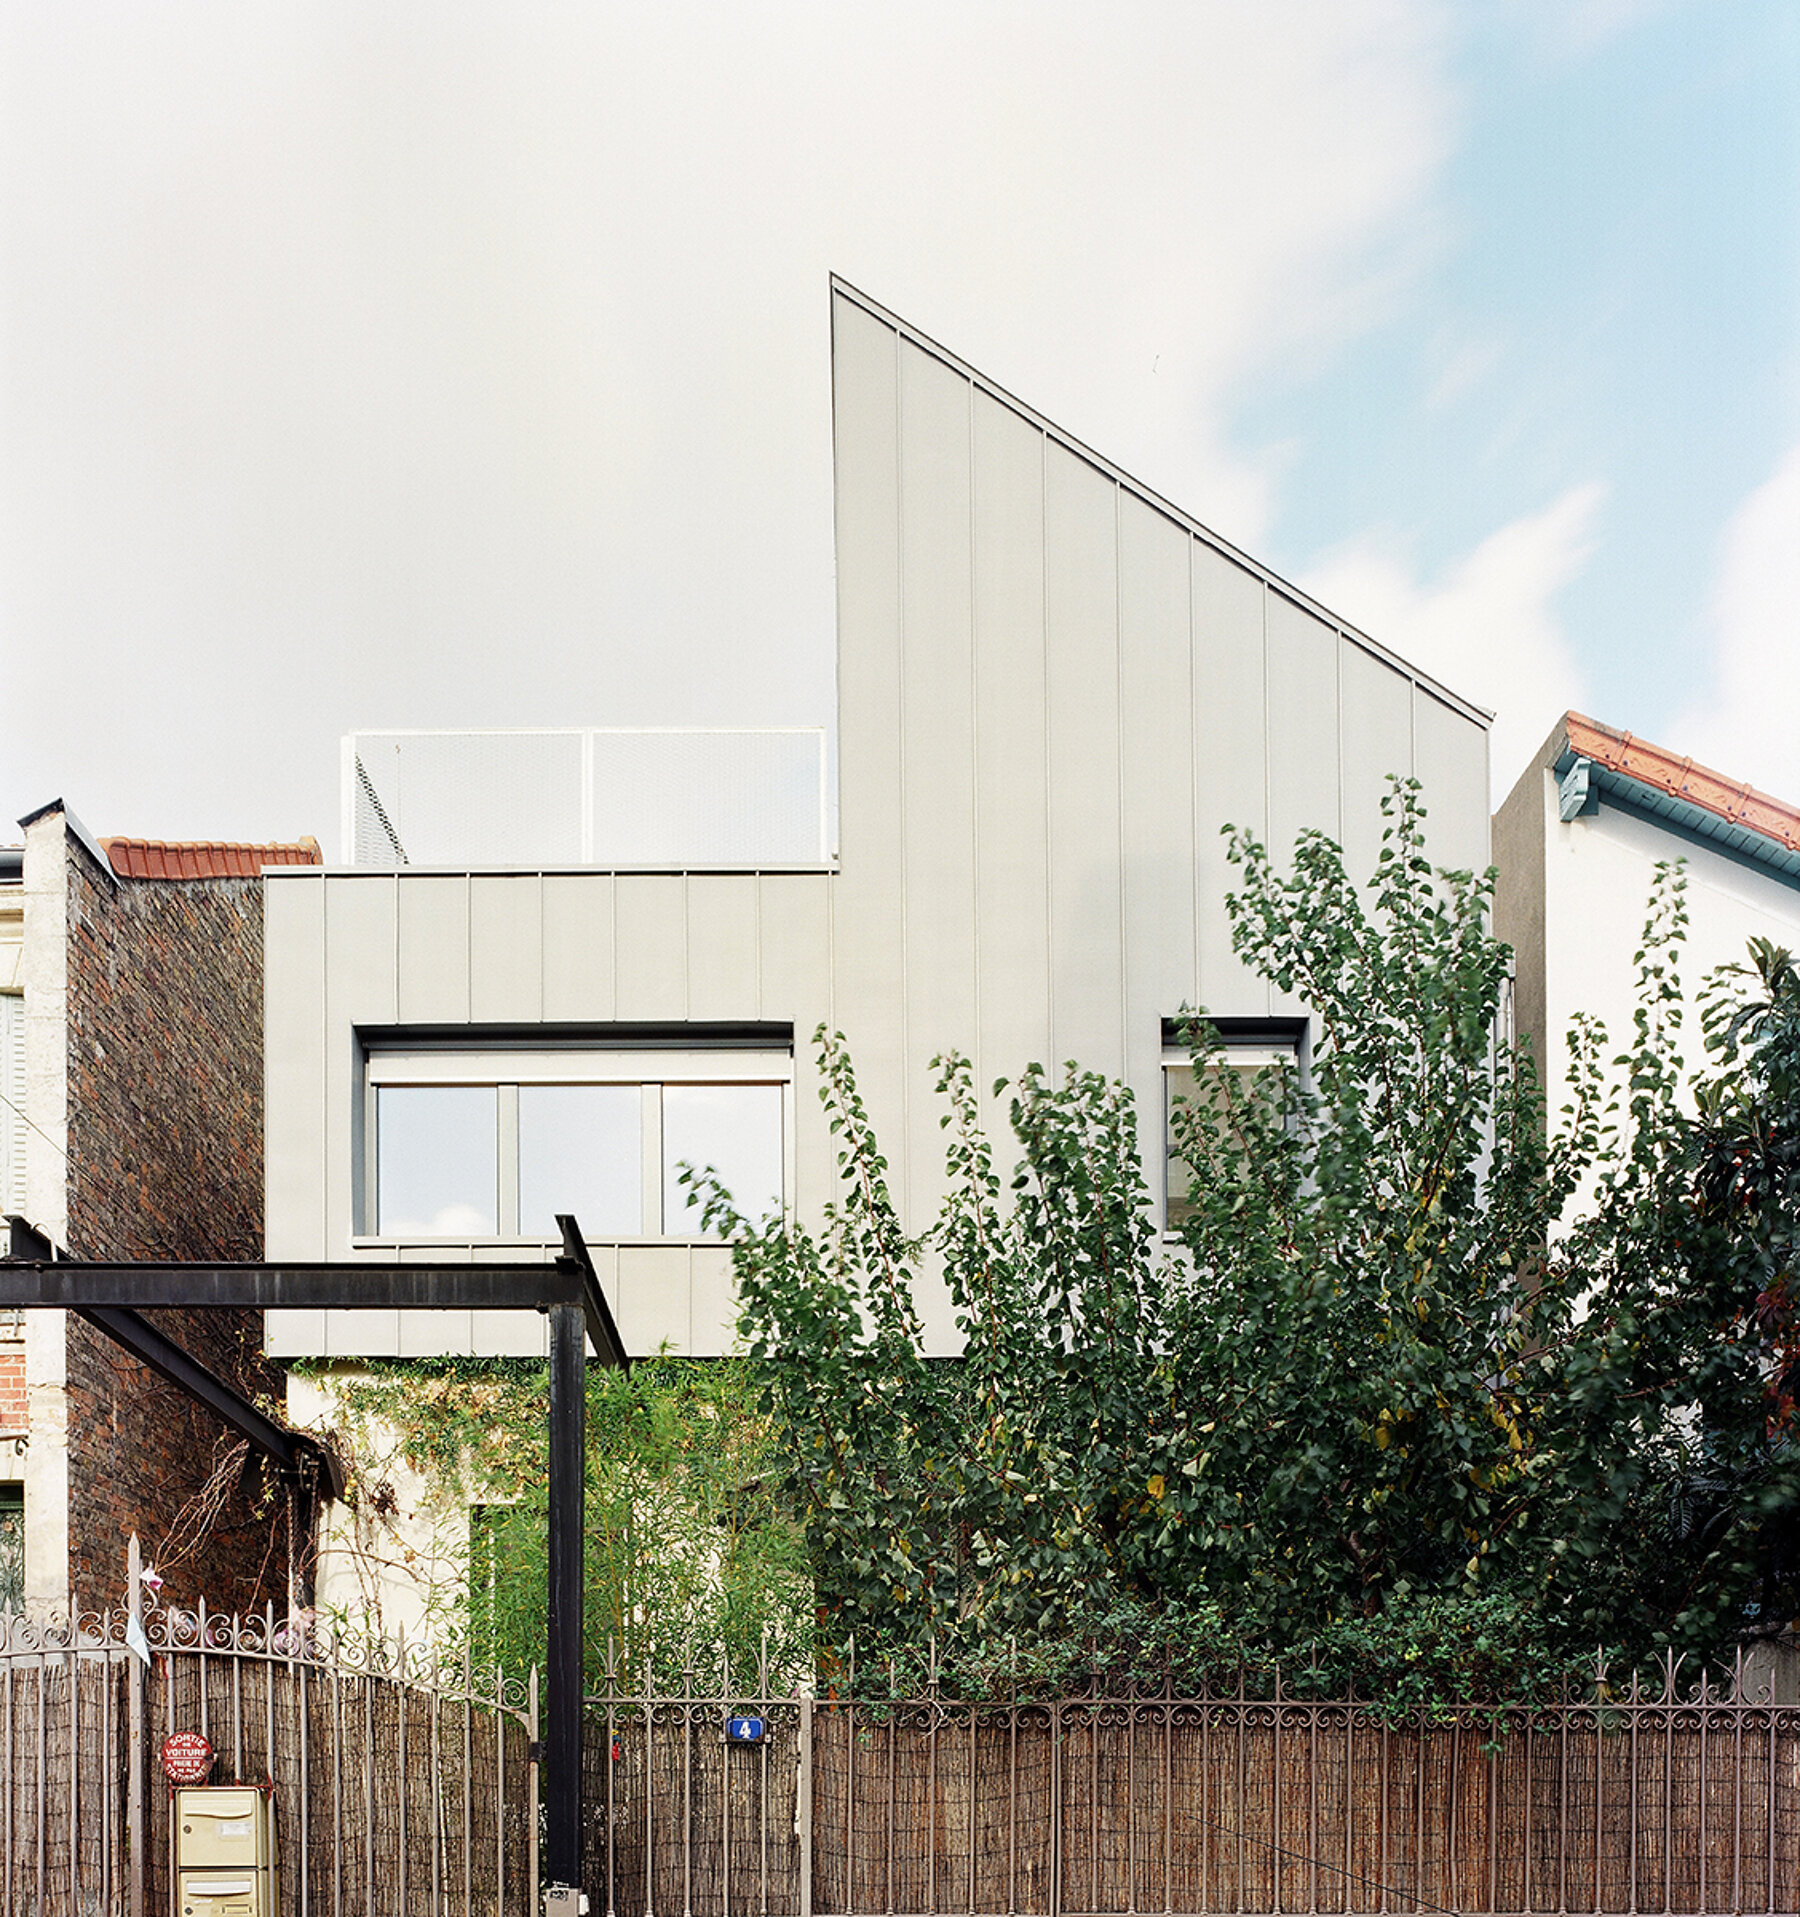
(1732, 811)
(1480, 715)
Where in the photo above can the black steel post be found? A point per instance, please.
(568, 1476)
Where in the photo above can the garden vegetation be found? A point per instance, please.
(1392, 1413)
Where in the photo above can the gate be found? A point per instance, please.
(402, 1783)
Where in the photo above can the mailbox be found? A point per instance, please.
(225, 1863)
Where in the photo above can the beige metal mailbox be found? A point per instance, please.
(225, 1861)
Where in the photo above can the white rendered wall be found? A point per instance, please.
(1598, 872)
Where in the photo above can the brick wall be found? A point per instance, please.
(14, 1412)
(166, 1161)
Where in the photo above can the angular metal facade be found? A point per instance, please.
(1054, 691)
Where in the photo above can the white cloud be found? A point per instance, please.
(1747, 722)
(1487, 625)
(437, 366)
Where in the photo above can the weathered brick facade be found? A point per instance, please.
(14, 1404)
(165, 1161)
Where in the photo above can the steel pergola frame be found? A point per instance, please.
(113, 1294)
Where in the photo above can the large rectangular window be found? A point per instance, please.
(476, 1145)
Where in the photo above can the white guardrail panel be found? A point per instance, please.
(684, 798)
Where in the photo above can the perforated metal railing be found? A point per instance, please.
(672, 798)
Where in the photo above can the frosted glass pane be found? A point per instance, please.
(436, 1159)
(734, 1129)
(581, 1150)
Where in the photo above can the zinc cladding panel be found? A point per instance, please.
(578, 947)
(1301, 674)
(723, 946)
(1156, 720)
(938, 745)
(1451, 756)
(433, 949)
(1011, 743)
(1377, 740)
(1302, 663)
(296, 1138)
(653, 1305)
(796, 988)
(12, 1111)
(869, 924)
(712, 1302)
(1081, 617)
(650, 946)
(506, 949)
(1230, 764)
(360, 989)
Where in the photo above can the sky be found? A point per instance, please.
(456, 365)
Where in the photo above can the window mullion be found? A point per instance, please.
(653, 1162)
(508, 1169)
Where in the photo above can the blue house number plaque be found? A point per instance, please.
(744, 1730)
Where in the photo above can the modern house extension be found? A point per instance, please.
(1054, 690)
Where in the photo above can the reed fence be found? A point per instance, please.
(402, 1784)
(1663, 1798)
(405, 1785)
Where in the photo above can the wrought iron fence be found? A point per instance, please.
(402, 1783)
(407, 1785)
(1662, 1798)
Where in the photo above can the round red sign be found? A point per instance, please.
(187, 1758)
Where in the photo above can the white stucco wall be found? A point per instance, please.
(1598, 873)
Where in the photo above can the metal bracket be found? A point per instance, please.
(1572, 790)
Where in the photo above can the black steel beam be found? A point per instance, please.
(75, 1285)
(112, 1294)
(290, 1450)
(568, 1481)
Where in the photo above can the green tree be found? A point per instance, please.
(1386, 1408)
(691, 1555)
(1330, 1402)
(1678, 1434)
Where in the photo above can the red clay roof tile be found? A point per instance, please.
(1651, 765)
(203, 858)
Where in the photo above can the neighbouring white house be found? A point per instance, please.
(1578, 841)
(555, 964)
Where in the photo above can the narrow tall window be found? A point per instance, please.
(1184, 1082)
